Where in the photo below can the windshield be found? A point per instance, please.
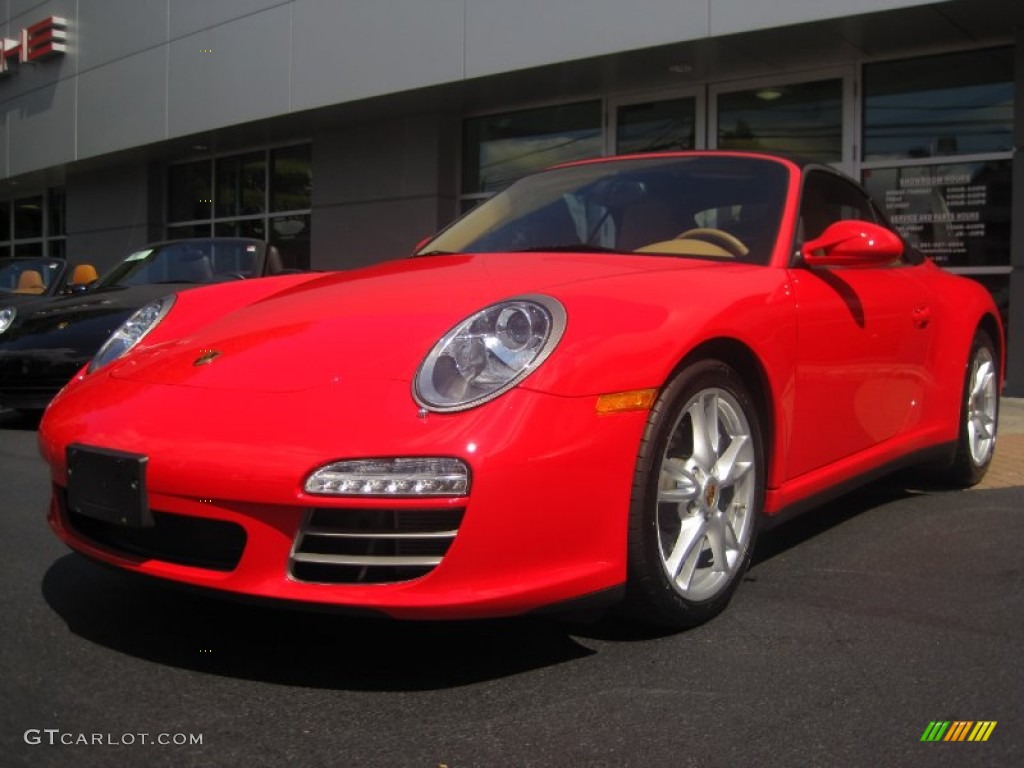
(29, 276)
(700, 206)
(187, 261)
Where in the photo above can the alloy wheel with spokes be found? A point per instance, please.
(982, 402)
(705, 494)
(979, 414)
(698, 492)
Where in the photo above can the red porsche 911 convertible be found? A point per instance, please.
(596, 386)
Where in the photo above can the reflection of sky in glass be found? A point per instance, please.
(502, 161)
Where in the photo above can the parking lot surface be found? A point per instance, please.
(859, 625)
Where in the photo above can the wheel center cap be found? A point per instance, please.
(711, 495)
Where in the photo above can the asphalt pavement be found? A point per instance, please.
(859, 625)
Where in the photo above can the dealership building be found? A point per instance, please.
(344, 131)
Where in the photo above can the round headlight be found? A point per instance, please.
(7, 315)
(489, 353)
(132, 331)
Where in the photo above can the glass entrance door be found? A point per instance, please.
(809, 115)
(662, 123)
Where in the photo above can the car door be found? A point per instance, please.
(863, 338)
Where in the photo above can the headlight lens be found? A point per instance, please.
(131, 332)
(489, 353)
(437, 476)
(7, 315)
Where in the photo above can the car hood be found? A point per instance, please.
(17, 299)
(376, 323)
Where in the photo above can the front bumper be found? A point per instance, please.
(544, 522)
(30, 383)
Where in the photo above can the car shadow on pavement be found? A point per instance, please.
(776, 539)
(145, 619)
(275, 643)
(773, 540)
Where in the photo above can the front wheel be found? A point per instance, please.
(698, 492)
(979, 414)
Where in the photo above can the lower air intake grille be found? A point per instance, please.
(372, 546)
(213, 544)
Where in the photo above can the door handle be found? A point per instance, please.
(922, 316)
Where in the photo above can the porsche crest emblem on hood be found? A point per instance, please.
(207, 357)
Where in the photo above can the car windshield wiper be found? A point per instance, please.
(437, 253)
(574, 248)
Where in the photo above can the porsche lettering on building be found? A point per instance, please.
(41, 41)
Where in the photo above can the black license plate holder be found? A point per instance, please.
(108, 485)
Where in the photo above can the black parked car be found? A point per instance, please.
(45, 340)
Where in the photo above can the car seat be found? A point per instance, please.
(83, 274)
(30, 281)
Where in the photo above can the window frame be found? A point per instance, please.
(267, 217)
(51, 244)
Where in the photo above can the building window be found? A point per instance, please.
(803, 119)
(938, 149)
(33, 225)
(953, 104)
(191, 193)
(290, 182)
(241, 185)
(266, 195)
(656, 126)
(28, 218)
(498, 149)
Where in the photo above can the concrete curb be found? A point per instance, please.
(1011, 416)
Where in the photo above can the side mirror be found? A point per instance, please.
(77, 288)
(853, 243)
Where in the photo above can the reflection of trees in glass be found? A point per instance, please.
(241, 184)
(504, 161)
(801, 119)
(740, 137)
(292, 182)
(656, 126)
(498, 149)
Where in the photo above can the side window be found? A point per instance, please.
(827, 199)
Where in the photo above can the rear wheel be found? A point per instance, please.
(979, 413)
(697, 496)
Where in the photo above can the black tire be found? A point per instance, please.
(979, 415)
(687, 503)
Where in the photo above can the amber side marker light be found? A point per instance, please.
(634, 400)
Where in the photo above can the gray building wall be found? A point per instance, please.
(144, 71)
(391, 184)
(113, 212)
